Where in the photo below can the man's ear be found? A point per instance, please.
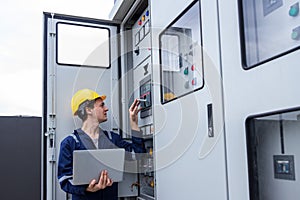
(88, 110)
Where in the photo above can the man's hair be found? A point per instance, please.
(81, 112)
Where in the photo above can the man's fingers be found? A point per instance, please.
(109, 182)
(92, 183)
(135, 109)
(133, 105)
(139, 109)
(102, 180)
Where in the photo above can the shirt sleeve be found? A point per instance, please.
(65, 168)
(137, 144)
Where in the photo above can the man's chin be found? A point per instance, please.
(104, 120)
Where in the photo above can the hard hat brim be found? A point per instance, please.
(103, 97)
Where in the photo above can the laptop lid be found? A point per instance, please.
(88, 164)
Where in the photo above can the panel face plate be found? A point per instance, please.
(269, 30)
(271, 5)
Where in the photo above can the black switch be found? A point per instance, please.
(137, 51)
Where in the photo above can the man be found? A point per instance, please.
(91, 109)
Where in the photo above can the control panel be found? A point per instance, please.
(271, 28)
(141, 38)
(142, 90)
(142, 66)
(181, 60)
(142, 79)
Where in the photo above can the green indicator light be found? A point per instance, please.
(295, 35)
(186, 71)
(294, 10)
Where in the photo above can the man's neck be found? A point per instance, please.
(91, 128)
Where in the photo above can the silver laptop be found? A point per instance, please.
(88, 164)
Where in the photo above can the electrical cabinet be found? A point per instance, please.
(259, 52)
(218, 87)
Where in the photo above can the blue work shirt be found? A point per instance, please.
(79, 140)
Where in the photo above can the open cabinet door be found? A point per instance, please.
(78, 53)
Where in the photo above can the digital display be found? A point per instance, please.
(145, 93)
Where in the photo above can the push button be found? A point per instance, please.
(194, 81)
(296, 33)
(187, 85)
(193, 67)
(294, 10)
(186, 71)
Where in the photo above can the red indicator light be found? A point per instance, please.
(193, 68)
(194, 81)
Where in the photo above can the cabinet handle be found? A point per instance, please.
(210, 121)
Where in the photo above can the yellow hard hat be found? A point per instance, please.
(83, 95)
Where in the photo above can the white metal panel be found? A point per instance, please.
(185, 156)
(269, 87)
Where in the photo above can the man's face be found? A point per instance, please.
(100, 110)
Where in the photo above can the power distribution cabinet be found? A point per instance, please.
(260, 51)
